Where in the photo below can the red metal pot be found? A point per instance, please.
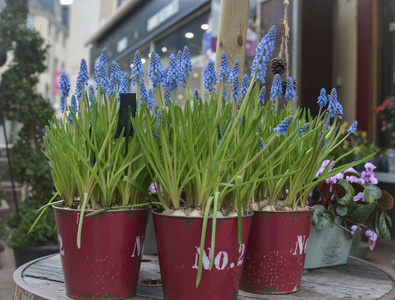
(108, 263)
(276, 252)
(178, 241)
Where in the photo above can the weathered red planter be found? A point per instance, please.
(108, 263)
(276, 252)
(178, 241)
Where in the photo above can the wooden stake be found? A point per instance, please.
(232, 32)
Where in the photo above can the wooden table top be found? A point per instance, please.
(43, 279)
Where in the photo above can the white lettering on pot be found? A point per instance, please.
(138, 245)
(61, 250)
(301, 243)
(221, 260)
(242, 248)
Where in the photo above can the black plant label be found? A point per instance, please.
(127, 107)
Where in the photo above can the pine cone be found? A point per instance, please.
(284, 85)
(278, 65)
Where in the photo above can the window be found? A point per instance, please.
(49, 29)
(47, 90)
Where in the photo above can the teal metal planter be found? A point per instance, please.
(327, 248)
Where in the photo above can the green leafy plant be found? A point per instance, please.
(357, 200)
(89, 162)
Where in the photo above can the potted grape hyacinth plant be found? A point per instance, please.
(274, 265)
(90, 161)
(346, 206)
(203, 150)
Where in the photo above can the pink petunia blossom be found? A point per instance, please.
(356, 179)
(372, 238)
(323, 166)
(370, 167)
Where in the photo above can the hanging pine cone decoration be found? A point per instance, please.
(278, 65)
(284, 85)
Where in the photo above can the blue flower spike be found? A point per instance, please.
(290, 90)
(209, 76)
(262, 56)
(283, 126)
(276, 89)
(235, 71)
(334, 107)
(102, 61)
(223, 71)
(173, 74)
(261, 95)
(235, 95)
(64, 86)
(137, 69)
(196, 96)
(82, 79)
(261, 143)
(353, 127)
(186, 66)
(123, 85)
(115, 78)
(244, 86)
(304, 128)
(322, 99)
(155, 70)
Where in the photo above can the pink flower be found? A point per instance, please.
(323, 166)
(370, 167)
(350, 170)
(372, 238)
(359, 197)
(352, 179)
(353, 228)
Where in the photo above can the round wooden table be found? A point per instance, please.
(43, 279)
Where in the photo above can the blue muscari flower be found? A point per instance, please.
(290, 91)
(322, 99)
(179, 58)
(244, 86)
(235, 95)
(155, 70)
(64, 84)
(62, 103)
(323, 143)
(334, 106)
(196, 97)
(74, 107)
(154, 132)
(235, 71)
(104, 80)
(353, 127)
(261, 95)
(263, 51)
(276, 89)
(223, 71)
(103, 61)
(261, 143)
(186, 65)
(304, 128)
(115, 78)
(224, 94)
(123, 85)
(165, 71)
(209, 76)
(137, 69)
(143, 94)
(150, 99)
(92, 96)
(82, 79)
(167, 97)
(284, 125)
(173, 74)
